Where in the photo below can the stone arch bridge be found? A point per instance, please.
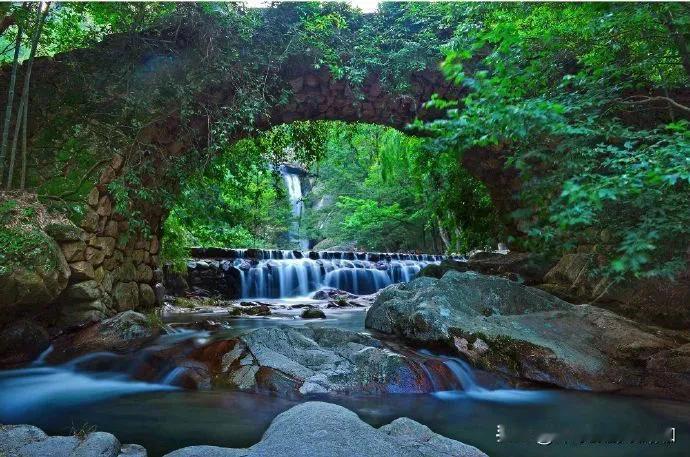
(113, 270)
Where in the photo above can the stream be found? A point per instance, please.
(162, 417)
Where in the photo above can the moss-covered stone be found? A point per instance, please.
(33, 270)
(64, 231)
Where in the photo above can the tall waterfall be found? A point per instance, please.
(294, 188)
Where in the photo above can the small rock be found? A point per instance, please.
(312, 313)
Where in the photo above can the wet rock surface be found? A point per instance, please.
(21, 342)
(504, 326)
(312, 313)
(299, 361)
(124, 332)
(320, 429)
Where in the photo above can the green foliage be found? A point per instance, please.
(385, 192)
(22, 242)
(237, 201)
(154, 320)
(550, 85)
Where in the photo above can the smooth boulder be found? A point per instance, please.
(299, 361)
(318, 429)
(526, 333)
(30, 441)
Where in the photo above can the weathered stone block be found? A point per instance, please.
(146, 295)
(64, 231)
(126, 295)
(127, 272)
(138, 255)
(73, 250)
(104, 243)
(94, 256)
(90, 221)
(81, 270)
(105, 206)
(111, 229)
(98, 274)
(93, 197)
(155, 245)
(107, 282)
(144, 273)
(87, 290)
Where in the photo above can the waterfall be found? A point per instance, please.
(294, 188)
(283, 275)
(272, 273)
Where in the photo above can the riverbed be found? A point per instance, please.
(499, 420)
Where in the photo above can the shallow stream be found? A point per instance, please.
(163, 418)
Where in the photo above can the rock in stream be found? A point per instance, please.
(504, 326)
(300, 361)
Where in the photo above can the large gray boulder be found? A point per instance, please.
(524, 332)
(318, 429)
(30, 441)
(299, 361)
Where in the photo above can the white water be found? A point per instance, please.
(30, 391)
(288, 276)
(471, 389)
(294, 188)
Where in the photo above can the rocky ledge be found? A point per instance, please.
(321, 429)
(300, 361)
(315, 429)
(524, 332)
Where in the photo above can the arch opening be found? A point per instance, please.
(315, 204)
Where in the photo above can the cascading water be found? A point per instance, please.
(294, 189)
(285, 274)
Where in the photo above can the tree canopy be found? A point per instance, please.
(587, 102)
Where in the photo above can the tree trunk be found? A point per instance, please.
(25, 126)
(23, 106)
(10, 101)
(13, 154)
(443, 234)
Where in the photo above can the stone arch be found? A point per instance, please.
(125, 270)
(131, 268)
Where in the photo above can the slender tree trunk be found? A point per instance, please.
(13, 153)
(25, 126)
(443, 234)
(10, 101)
(23, 105)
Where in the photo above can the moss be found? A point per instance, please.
(23, 242)
(504, 351)
(183, 302)
(24, 248)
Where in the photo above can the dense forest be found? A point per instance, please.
(587, 103)
(438, 216)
